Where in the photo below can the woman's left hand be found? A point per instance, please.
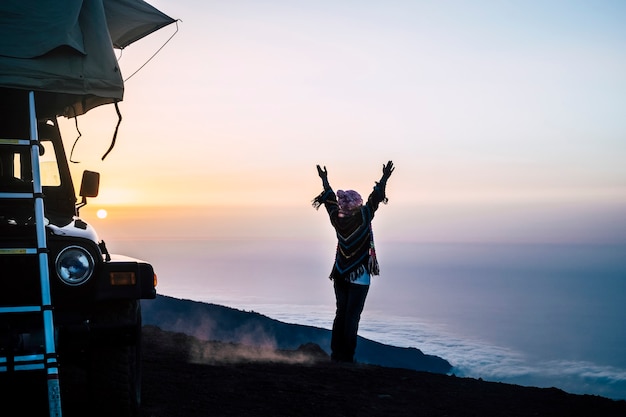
(323, 173)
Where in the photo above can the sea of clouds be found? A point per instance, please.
(537, 315)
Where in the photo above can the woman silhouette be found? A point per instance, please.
(355, 258)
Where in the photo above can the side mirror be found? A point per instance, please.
(90, 184)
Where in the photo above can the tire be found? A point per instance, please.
(115, 363)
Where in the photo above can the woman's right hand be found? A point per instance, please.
(387, 170)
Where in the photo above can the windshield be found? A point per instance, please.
(15, 166)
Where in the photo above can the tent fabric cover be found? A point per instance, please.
(64, 52)
(131, 20)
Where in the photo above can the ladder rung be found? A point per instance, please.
(31, 362)
(20, 309)
(14, 142)
(23, 363)
(17, 195)
(18, 251)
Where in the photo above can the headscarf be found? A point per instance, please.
(348, 201)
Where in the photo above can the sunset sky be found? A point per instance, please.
(501, 247)
(505, 120)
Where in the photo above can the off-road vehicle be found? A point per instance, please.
(65, 301)
(95, 296)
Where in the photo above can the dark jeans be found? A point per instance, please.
(350, 300)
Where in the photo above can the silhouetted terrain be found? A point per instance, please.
(214, 322)
(219, 361)
(186, 377)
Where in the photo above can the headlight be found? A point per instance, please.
(74, 265)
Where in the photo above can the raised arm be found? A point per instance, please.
(387, 170)
(323, 173)
(378, 194)
(326, 197)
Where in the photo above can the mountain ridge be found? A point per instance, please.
(188, 377)
(213, 322)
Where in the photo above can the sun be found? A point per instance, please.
(102, 213)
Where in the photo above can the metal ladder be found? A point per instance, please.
(48, 359)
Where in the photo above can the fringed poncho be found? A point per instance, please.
(355, 241)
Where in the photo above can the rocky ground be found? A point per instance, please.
(186, 377)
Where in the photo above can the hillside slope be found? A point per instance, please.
(184, 376)
(187, 377)
(213, 322)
